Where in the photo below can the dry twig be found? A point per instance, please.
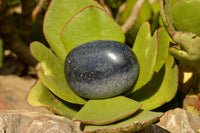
(122, 8)
(133, 17)
(38, 8)
(102, 2)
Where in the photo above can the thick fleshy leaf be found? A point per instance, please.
(145, 48)
(49, 62)
(90, 24)
(60, 88)
(133, 123)
(161, 89)
(166, 15)
(163, 40)
(185, 15)
(57, 15)
(104, 111)
(39, 95)
(189, 51)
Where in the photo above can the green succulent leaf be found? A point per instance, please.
(90, 24)
(49, 62)
(189, 50)
(161, 89)
(57, 15)
(185, 15)
(166, 15)
(104, 111)
(60, 88)
(163, 41)
(133, 123)
(145, 48)
(151, 50)
(39, 95)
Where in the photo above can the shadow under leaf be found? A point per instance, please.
(150, 88)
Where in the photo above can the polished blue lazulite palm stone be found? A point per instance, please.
(101, 69)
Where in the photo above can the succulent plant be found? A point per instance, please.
(84, 21)
(181, 19)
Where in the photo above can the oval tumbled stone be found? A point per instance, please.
(101, 69)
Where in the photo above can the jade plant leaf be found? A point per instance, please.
(166, 15)
(133, 123)
(163, 41)
(189, 51)
(161, 89)
(104, 111)
(57, 15)
(60, 88)
(185, 16)
(49, 62)
(39, 95)
(145, 48)
(90, 24)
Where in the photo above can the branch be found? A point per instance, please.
(133, 17)
(122, 8)
(152, 1)
(102, 2)
(38, 8)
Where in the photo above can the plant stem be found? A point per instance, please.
(133, 17)
(102, 2)
(38, 8)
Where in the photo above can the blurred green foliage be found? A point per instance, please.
(13, 2)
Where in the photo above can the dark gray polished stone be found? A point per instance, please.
(101, 69)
